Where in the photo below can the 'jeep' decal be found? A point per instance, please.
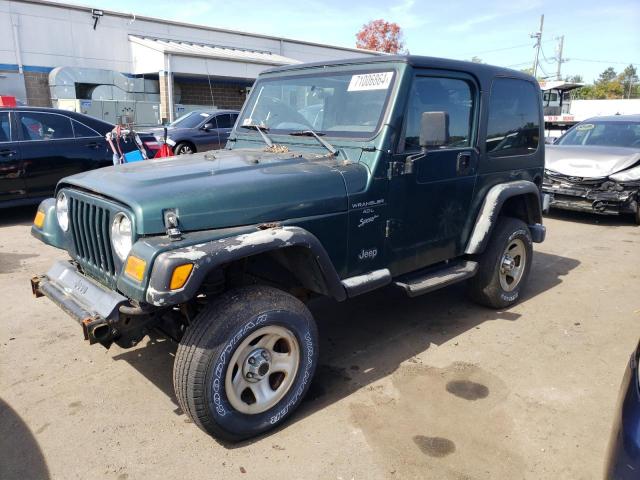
(368, 254)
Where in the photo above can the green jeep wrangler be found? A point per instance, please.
(338, 179)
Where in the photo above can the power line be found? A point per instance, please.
(602, 61)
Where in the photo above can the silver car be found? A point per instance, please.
(595, 167)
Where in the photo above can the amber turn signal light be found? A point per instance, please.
(39, 220)
(135, 268)
(180, 276)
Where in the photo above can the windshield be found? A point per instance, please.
(340, 105)
(603, 133)
(190, 120)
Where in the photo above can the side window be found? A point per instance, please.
(82, 131)
(435, 94)
(234, 118)
(513, 127)
(45, 126)
(224, 121)
(5, 127)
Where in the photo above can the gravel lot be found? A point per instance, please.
(432, 387)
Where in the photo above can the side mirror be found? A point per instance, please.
(208, 126)
(434, 129)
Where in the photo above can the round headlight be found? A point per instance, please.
(121, 235)
(62, 211)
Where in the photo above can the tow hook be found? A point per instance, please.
(97, 330)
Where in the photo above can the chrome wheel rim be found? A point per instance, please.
(512, 265)
(262, 369)
(185, 150)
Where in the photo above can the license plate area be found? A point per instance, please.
(85, 292)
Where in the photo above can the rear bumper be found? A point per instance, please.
(95, 308)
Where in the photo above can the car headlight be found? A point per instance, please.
(630, 175)
(62, 211)
(121, 235)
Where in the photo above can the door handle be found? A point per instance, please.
(463, 163)
(7, 153)
(93, 145)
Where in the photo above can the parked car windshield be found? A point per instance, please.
(603, 133)
(190, 120)
(342, 104)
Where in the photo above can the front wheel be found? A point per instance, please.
(246, 362)
(184, 148)
(504, 266)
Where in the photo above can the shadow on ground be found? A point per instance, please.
(20, 454)
(592, 218)
(367, 338)
(17, 215)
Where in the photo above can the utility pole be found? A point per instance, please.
(537, 46)
(560, 60)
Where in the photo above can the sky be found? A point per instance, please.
(598, 34)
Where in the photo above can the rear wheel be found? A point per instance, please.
(246, 362)
(504, 266)
(184, 148)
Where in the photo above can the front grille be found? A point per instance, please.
(90, 225)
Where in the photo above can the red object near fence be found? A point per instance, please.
(7, 101)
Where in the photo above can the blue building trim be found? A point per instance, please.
(13, 67)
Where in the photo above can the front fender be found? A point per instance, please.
(210, 255)
(50, 232)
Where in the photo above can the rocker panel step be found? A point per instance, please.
(431, 279)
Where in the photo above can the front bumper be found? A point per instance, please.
(94, 307)
(585, 199)
(623, 459)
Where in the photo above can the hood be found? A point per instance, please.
(589, 161)
(223, 189)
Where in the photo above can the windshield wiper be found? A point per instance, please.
(311, 133)
(261, 129)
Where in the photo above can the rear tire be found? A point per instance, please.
(246, 362)
(504, 266)
(184, 148)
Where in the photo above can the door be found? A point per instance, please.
(225, 123)
(205, 136)
(51, 152)
(431, 189)
(12, 184)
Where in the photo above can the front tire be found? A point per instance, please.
(184, 148)
(504, 266)
(246, 362)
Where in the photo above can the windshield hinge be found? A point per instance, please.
(394, 169)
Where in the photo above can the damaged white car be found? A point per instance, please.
(595, 167)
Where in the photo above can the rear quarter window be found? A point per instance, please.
(513, 127)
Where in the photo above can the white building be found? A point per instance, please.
(112, 64)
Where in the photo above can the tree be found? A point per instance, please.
(381, 36)
(629, 78)
(574, 79)
(607, 76)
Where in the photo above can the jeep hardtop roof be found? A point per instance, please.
(478, 69)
